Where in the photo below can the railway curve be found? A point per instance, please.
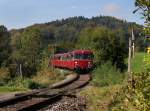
(39, 98)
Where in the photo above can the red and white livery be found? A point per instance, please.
(79, 60)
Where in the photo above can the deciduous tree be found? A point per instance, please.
(4, 45)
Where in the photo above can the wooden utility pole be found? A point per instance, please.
(131, 54)
(129, 58)
(133, 44)
(20, 70)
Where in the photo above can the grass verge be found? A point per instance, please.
(42, 79)
(99, 98)
(4, 89)
(140, 62)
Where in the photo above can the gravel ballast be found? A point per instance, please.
(69, 104)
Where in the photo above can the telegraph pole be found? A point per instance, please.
(20, 70)
(129, 56)
(133, 44)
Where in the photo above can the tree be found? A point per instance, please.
(144, 6)
(94, 39)
(105, 44)
(65, 37)
(31, 47)
(16, 58)
(27, 47)
(4, 45)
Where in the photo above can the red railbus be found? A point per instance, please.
(78, 60)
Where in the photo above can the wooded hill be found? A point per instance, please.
(66, 31)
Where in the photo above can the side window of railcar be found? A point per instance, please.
(68, 57)
(64, 57)
(88, 56)
(61, 57)
(84, 56)
(58, 57)
(71, 56)
(55, 57)
(78, 56)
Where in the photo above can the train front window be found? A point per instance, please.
(84, 56)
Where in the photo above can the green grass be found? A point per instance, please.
(5, 89)
(138, 64)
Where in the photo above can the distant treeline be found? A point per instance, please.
(25, 49)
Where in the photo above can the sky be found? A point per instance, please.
(21, 13)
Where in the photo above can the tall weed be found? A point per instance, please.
(4, 76)
(106, 75)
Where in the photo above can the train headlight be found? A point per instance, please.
(76, 62)
(89, 65)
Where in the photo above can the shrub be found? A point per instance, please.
(24, 83)
(106, 75)
(134, 95)
(4, 76)
(47, 76)
(32, 84)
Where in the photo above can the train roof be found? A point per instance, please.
(82, 51)
(76, 52)
(58, 55)
(61, 54)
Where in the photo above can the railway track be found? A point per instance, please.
(38, 99)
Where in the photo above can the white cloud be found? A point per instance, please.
(111, 8)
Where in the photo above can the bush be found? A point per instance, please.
(42, 79)
(106, 75)
(47, 77)
(33, 85)
(4, 76)
(24, 83)
(134, 95)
